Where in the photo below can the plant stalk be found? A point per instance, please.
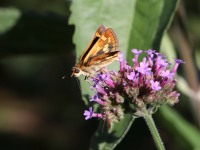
(154, 132)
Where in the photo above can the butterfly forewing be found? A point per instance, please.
(105, 44)
(96, 37)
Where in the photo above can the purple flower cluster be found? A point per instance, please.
(147, 84)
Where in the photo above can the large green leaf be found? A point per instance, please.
(150, 21)
(111, 137)
(187, 134)
(137, 23)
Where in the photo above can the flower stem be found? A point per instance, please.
(152, 127)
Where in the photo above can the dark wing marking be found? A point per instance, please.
(96, 37)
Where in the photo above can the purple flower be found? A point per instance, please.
(96, 99)
(88, 114)
(100, 89)
(150, 54)
(167, 73)
(122, 61)
(102, 76)
(155, 85)
(177, 63)
(121, 57)
(143, 69)
(108, 80)
(148, 84)
(160, 62)
(131, 76)
(136, 53)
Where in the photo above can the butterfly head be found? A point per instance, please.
(76, 72)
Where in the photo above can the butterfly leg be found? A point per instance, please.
(104, 70)
(87, 79)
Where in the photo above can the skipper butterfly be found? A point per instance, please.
(101, 51)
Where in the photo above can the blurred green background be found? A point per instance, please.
(39, 109)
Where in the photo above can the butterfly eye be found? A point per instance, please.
(76, 70)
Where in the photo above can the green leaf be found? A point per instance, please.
(183, 132)
(181, 129)
(111, 137)
(8, 18)
(137, 23)
(150, 23)
(167, 48)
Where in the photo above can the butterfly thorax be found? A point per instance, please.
(78, 69)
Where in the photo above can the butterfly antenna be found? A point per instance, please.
(63, 77)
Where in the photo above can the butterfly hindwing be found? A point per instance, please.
(103, 58)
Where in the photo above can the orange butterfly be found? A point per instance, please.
(101, 51)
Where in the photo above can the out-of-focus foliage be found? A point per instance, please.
(38, 110)
(8, 17)
(183, 130)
